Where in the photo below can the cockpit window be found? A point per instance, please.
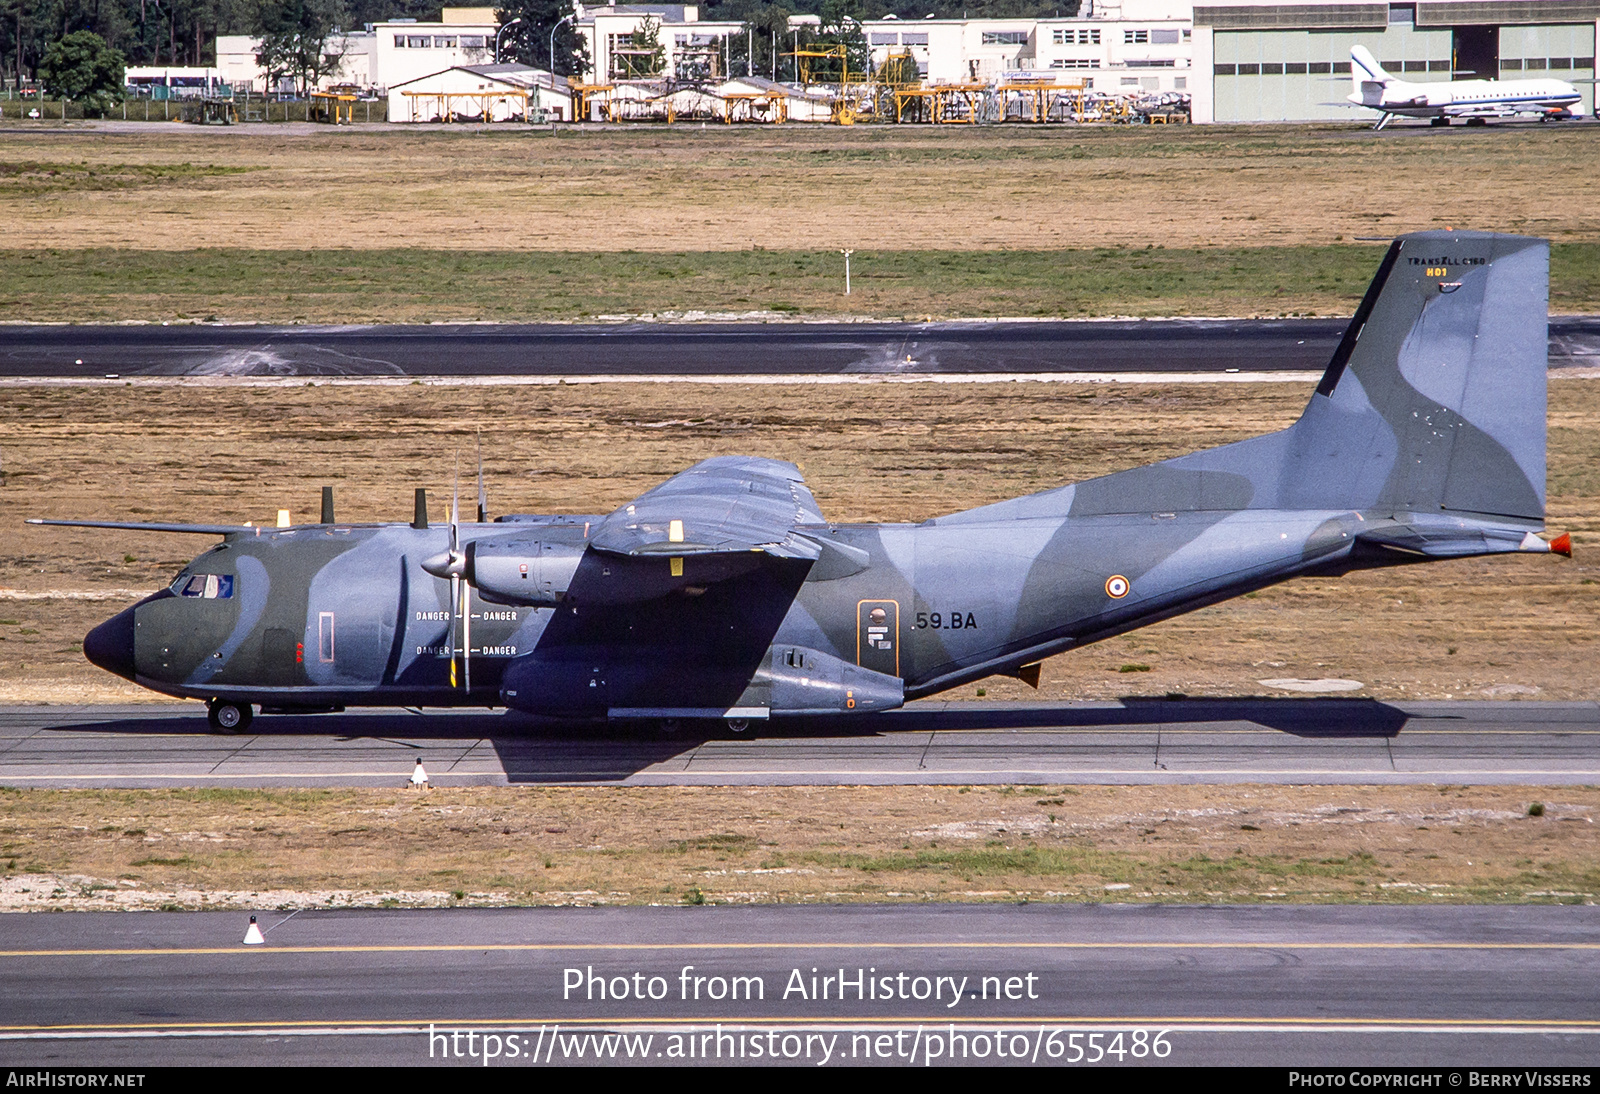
(206, 586)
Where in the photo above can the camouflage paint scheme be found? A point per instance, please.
(725, 593)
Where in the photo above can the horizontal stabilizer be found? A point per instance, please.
(1447, 538)
(152, 526)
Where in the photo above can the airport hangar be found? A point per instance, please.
(1268, 62)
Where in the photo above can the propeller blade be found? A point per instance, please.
(455, 600)
(466, 633)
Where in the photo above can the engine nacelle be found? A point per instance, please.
(523, 571)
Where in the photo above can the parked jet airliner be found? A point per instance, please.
(1441, 100)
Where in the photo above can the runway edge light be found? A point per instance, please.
(253, 936)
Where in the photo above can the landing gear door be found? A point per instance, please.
(878, 636)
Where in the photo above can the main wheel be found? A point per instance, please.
(740, 729)
(229, 717)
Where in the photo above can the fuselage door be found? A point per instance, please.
(878, 636)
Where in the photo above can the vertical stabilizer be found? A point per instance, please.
(1367, 78)
(1435, 398)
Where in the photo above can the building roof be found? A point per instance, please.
(667, 13)
(512, 75)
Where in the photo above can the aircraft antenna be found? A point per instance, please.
(483, 495)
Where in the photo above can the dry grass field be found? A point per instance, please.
(796, 188)
(107, 221)
(1503, 627)
(668, 845)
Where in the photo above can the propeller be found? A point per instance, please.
(452, 563)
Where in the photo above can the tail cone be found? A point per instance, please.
(1562, 544)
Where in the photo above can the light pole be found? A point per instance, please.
(502, 30)
(847, 255)
(553, 30)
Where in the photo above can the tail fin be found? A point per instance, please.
(1435, 398)
(1434, 401)
(1364, 69)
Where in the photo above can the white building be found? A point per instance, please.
(1138, 46)
(384, 55)
(146, 82)
(1258, 61)
(691, 49)
(236, 60)
(405, 50)
(492, 93)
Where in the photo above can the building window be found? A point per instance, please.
(1402, 14)
(1295, 68)
(1222, 70)
(1005, 37)
(1073, 62)
(1180, 83)
(1319, 68)
(881, 39)
(1136, 37)
(917, 38)
(1130, 81)
(444, 43)
(1164, 37)
(473, 41)
(1270, 69)
(1067, 36)
(1158, 64)
(418, 41)
(399, 41)
(1249, 70)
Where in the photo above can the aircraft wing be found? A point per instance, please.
(723, 505)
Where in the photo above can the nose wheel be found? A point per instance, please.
(226, 716)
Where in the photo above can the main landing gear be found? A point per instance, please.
(227, 716)
(737, 729)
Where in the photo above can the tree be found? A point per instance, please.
(300, 38)
(651, 57)
(81, 67)
(529, 40)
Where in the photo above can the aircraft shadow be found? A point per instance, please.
(544, 750)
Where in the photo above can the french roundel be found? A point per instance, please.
(1116, 586)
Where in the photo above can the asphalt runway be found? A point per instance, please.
(1137, 741)
(702, 349)
(1302, 986)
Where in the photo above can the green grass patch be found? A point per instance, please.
(33, 177)
(406, 285)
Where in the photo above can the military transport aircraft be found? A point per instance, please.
(1441, 100)
(724, 593)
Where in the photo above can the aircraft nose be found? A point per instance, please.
(110, 645)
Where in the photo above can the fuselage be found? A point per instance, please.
(340, 615)
(1466, 98)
